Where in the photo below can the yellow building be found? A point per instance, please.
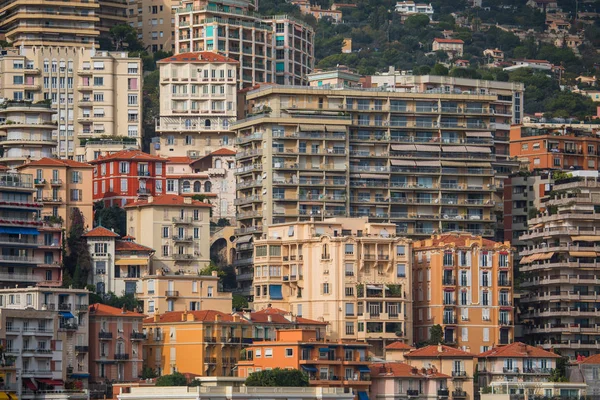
(354, 274)
(61, 186)
(464, 284)
(162, 293)
(155, 23)
(176, 227)
(458, 364)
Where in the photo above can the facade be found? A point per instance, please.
(398, 380)
(464, 283)
(327, 363)
(556, 146)
(276, 49)
(31, 249)
(587, 371)
(316, 11)
(162, 292)
(93, 94)
(457, 364)
(452, 47)
(176, 227)
(232, 392)
(118, 265)
(115, 346)
(155, 23)
(315, 268)
(65, 331)
(559, 310)
(408, 8)
(62, 186)
(198, 103)
(123, 177)
(26, 132)
(334, 78)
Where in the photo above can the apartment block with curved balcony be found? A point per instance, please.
(26, 132)
(560, 262)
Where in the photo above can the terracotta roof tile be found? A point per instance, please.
(125, 245)
(168, 200)
(403, 370)
(55, 162)
(204, 315)
(100, 231)
(434, 351)
(399, 346)
(516, 350)
(98, 309)
(128, 155)
(180, 160)
(595, 359)
(223, 152)
(200, 57)
(278, 316)
(456, 41)
(459, 240)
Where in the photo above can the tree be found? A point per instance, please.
(148, 373)
(125, 36)
(439, 69)
(113, 217)
(208, 270)
(239, 302)
(436, 335)
(278, 377)
(77, 262)
(175, 379)
(416, 21)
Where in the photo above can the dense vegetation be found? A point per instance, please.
(278, 377)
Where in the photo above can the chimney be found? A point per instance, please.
(184, 315)
(214, 273)
(187, 200)
(191, 317)
(440, 349)
(269, 318)
(124, 309)
(156, 317)
(217, 318)
(150, 199)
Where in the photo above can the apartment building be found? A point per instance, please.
(62, 186)
(121, 178)
(556, 146)
(115, 346)
(465, 284)
(560, 261)
(340, 76)
(327, 363)
(162, 292)
(92, 93)
(408, 8)
(316, 268)
(452, 47)
(458, 364)
(523, 370)
(276, 49)
(155, 23)
(64, 327)
(118, 264)
(198, 103)
(270, 320)
(26, 131)
(31, 250)
(177, 227)
(406, 381)
(586, 371)
(406, 158)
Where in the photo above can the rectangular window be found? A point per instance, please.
(349, 249)
(123, 185)
(326, 288)
(401, 270)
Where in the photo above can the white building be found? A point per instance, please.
(408, 8)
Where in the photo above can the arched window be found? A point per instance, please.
(186, 186)
(207, 123)
(207, 187)
(197, 187)
(218, 163)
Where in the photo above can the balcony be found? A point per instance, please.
(504, 282)
(137, 336)
(210, 360)
(209, 339)
(182, 220)
(64, 307)
(39, 182)
(105, 335)
(56, 182)
(183, 238)
(184, 257)
(69, 326)
(412, 392)
(449, 281)
(450, 320)
(510, 370)
(443, 392)
(81, 349)
(459, 393)
(172, 293)
(121, 356)
(459, 374)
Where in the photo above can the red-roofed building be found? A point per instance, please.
(122, 177)
(115, 344)
(404, 380)
(395, 351)
(452, 47)
(117, 264)
(463, 283)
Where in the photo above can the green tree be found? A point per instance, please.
(113, 217)
(278, 377)
(124, 37)
(148, 373)
(77, 261)
(239, 302)
(175, 379)
(436, 335)
(210, 268)
(416, 22)
(439, 69)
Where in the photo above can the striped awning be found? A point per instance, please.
(407, 163)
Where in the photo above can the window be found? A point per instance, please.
(268, 353)
(448, 259)
(349, 309)
(349, 269)
(349, 328)
(132, 99)
(124, 167)
(165, 251)
(98, 81)
(400, 250)
(209, 291)
(349, 249)
(123, 185)
(289, 352)
(326, 288)
(401, 270)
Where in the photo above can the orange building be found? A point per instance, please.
(327, 363)
(547, 146)
(464, 284)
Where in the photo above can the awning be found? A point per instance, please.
(476, 149)
(403, 147)
(18, 231)
(478, 164)
(312, 128)
(363, 395)
(406, 163)
(478, 134)
(244, 239)
(525, 260)
(324, 349)
(275, 292)
(66, 314)
(80, 376)
(453, 164)
(586, 238)
(335, 128)
(373, 176)
(30, 385)
(435, 163)
(454, 149)
(51, 382)
(373, 287)
(545, 256)
(424, 147)
(309, 368)
(5, 396)
(582, 254)
(363, 368)
(132, 261)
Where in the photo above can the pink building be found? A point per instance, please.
(405, 380)
(115, 344)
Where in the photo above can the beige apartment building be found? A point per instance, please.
(26, 132)
(198, 104)
(164, 292)
(61, 186)
(94, 94)
(275, 49)
(353, 273)
(464, 284)
(176, 227)
(155, 23)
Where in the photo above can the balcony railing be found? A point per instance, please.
(137, 336)
(459, 373)
(105, 335)
(172, 293)
(121, 356)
